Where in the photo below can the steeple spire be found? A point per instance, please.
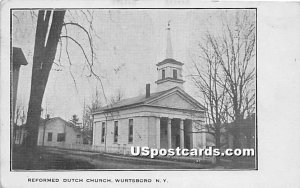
(169, 51)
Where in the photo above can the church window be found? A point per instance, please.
(103, 132)
(130, 135)
(175, 73)
(116, 132)
(163, 74)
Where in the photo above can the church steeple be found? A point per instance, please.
(169, 50)
(169, 70)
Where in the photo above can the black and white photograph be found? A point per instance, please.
(129, 95)
(134, 89)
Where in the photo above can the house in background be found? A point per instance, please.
(18, 60)
(58, 132)
(167, 118)
(20, 134)
(246, 134)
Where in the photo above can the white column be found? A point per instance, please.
(169, 133)
(157, 126)
(181, 134)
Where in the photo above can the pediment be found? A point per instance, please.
(174, 100)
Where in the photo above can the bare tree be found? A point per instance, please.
(20, 118)
(88, 110)
(206, 79)
(234, 52)
(48, 29)
(50, 34)
(74, 119)
(118, 96)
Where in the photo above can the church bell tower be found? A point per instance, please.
(169, 70)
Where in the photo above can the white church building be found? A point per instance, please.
(166, 118)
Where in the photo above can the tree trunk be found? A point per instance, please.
(218, 142)
(236, 133)
(44, 54)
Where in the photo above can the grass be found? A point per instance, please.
(38, 160)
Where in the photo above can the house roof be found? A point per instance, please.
(140, 100)
(18, 57)
(24, 126)
(59, 118)
(42, 123)
(169, 60)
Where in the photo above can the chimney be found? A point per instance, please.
(147, 90)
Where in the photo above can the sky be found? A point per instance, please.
(127, 44)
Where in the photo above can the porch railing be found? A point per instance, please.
(118, 148)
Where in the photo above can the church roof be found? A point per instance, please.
(134, 100)
(76, 128)
(142, 100)
(169, 60)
